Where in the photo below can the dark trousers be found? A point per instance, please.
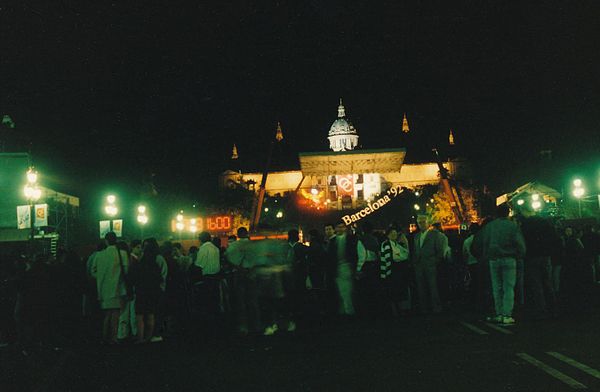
(246, 300)
(367, 289)
(297, 291)
(538, 273)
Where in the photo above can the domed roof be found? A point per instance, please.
(342, 126)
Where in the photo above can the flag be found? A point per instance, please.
(118, 227)
(104, 228)
(23, 217)
(345, 185)
(41, 215)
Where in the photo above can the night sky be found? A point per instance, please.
(111, 93)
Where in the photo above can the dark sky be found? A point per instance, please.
(113, 92)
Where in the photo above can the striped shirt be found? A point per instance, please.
(391, 251)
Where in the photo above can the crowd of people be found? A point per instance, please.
(141, 292)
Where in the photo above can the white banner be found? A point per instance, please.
(41, 215)
(104, 228)
(23, 217)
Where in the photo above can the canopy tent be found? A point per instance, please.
(531, 188)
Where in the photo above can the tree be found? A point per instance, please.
(441, 211)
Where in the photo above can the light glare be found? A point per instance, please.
(31, 176)
(578, 192)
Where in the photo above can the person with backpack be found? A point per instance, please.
(146, 278)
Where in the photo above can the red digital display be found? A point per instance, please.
(218, 223)
(215, 223)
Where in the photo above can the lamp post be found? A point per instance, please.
(111, 209)
(142, 219)
(33, 194)
(578, 192)
(179, 225)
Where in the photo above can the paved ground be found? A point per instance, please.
(437, 353)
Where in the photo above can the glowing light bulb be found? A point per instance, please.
(31, 176)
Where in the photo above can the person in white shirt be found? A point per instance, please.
(245, 286)
(208, 258)
(107, 269)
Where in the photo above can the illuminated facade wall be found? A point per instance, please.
(277, 182)
(326, 179)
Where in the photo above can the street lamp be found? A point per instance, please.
(279, 215)
(32, 194)
(142, 219)
(179, 225)
(110, 208)
(417, 207)
(578, 192)
(193, 227)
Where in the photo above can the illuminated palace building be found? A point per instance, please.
(345, 177)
